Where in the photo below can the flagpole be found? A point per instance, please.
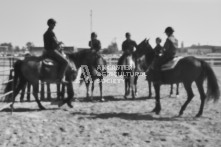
(91, 26)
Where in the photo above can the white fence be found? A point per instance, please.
(213, 61)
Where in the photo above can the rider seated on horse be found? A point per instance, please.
(170, 48)
(158, 49)
(94, 43)
(128, 48)
(52, 46)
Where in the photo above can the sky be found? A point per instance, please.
(194, 21)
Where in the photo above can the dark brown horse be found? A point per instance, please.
(188, 70)
(31, 70)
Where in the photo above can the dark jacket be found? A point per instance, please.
(95, 44)
(158, 50)
(50, 40)
(171, 46)
(129, 45)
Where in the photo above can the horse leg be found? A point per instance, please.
(150, 92)
(48, 91)
(135, 84)
(23, 93)
(132, 85)
(87, 83)
(92, 90)
(62, 93)
(126, 88)
(177, 90)
(157, 108)
(101, 90)
(171, 90)
(42, 90)
(28, 92)
(20, 86)
(190, 96)
(35, 93)
(70, 92)
(199, 85)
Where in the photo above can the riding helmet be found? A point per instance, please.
(93, 34)
(51, 21)
(127, 34)
(169, 30)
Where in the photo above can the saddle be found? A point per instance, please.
(171, 64)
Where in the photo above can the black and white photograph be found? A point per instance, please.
(110, 73)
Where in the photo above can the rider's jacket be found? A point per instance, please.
(171, 46)
(95, 44)
(50, 40)
(158, 50)
(129, 45)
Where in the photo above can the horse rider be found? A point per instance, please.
(52, 46)
(158, 49)
(94, 43)
(170, 49)
(128, 48)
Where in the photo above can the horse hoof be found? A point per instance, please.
(70, 105)
(42, 108)
(198, 115)
(60, 104)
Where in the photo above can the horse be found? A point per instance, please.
(33, 70)
(128, 70)
(187, 70)
(92, 72)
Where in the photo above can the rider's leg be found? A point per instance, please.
(118, 64)
(62, 62)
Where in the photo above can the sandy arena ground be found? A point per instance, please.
(116, 122)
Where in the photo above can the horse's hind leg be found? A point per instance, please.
(171, 90)
(135, 84)
(199, 85)
(20, 86)
(28, 92)
(101, 90)
(42, 90)
(35, 93)
(177, 90)
(48, 91)
(190, 95)
(92, 90)
(23, 93)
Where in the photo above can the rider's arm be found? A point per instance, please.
(99, 45)
(56, 43)
(123, 46)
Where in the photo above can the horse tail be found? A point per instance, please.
(213, 91)
(13, 80)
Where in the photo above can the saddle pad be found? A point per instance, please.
(171, 64)
(48, 62)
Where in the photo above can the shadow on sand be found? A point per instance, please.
(126, 116)
(27, 109)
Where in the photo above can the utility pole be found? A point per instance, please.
(91, 24)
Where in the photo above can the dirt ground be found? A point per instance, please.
(115, 122)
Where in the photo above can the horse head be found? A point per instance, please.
(101, 65)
